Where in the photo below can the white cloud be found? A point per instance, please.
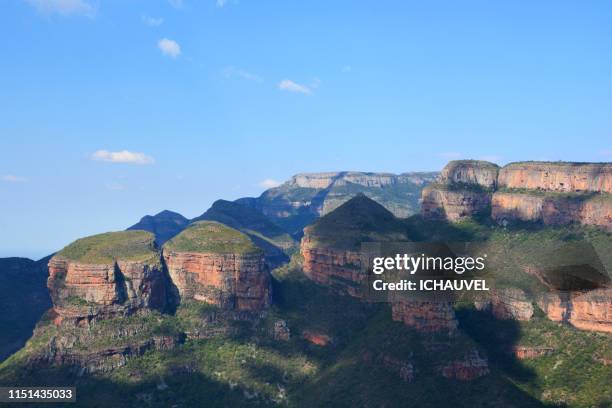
(123, 156)
(221, 3)
(176, 3)
(289, 85)
(450, 155)
(231, 71)
(269, 183)
(64, 7)
(10, 178)
(152, 21)
(169, 48)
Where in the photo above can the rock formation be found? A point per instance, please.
(425, 316)
(557, 176)
(275, 242)
(553, 193)
(590, 310)
(526, 352)
(463, 190)
(331, 249)
(106, 275)
(507, 303)
(552, 209)
(213, 263)
(473, 365)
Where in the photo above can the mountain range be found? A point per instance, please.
(260, 301)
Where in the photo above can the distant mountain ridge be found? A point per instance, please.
(306, 196)
(164, 225)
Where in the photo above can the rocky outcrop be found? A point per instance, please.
(275, 242)
(557, 176)
(231, 281)
(527, 352)
(103, 360)
(316, 338)
(425, 317)
(335, 268)
(471, 173)
(471, 366)
(281, 331)
(552, 193)
(463, 190)
(83, 290)
(590, 310)
(331, 250)
(552, 209)
(216, 264)
(439, 202)
(507, 303)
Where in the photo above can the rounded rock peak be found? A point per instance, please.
(211, 237)
(470, 172)
(133, 245)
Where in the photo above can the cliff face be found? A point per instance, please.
(425, 316)
(275, 242)
(441, 203)
(470, 172)
(471, 366)
(463, 190)
(331, 252)
(237, 282)
(508, 303)
(332, 267)
(84, 291)
(550, 193)
(213, 263)
(584, 310)
(561, 177)
(552, 210)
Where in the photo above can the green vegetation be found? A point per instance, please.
(247, 220)
(211, 236)
(227, 360)
(358, 220)
(111, 246)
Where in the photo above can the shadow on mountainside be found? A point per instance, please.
(23, 300)
(498, 338)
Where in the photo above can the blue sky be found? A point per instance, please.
(110, 110)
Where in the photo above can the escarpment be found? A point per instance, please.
(557, 176)
(213, 263)
(551, 193)
(106, 275)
